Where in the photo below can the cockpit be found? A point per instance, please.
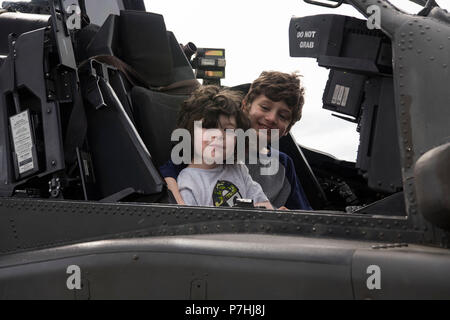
(89, 102)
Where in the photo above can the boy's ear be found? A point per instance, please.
(243, 104)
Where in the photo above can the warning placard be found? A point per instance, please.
(23, 142)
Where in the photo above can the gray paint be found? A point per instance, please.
(229, 266)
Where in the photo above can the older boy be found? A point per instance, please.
(274, 101)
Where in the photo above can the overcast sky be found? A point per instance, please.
(255, 36)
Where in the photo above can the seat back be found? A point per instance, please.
(120, 159)
(156, 115)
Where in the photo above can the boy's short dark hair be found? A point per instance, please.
(207, 103)
(279, 86)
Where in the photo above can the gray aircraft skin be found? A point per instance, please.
(395, 246)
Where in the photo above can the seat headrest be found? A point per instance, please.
(16, 22)
(145, 46)
(140, 40)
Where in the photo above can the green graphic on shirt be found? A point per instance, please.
(224, 194)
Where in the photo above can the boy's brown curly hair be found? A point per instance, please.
(279, 86)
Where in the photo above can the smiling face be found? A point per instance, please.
(275, 101)
(267, 114)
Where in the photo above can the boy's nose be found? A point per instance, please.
(271, 117)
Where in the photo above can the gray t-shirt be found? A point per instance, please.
(219, 186)
(275, 185)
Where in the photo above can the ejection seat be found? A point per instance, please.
(117, 67)
(149, 73)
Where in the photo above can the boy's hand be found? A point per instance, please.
(172, 185)
(283, 208)
(266, 204)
